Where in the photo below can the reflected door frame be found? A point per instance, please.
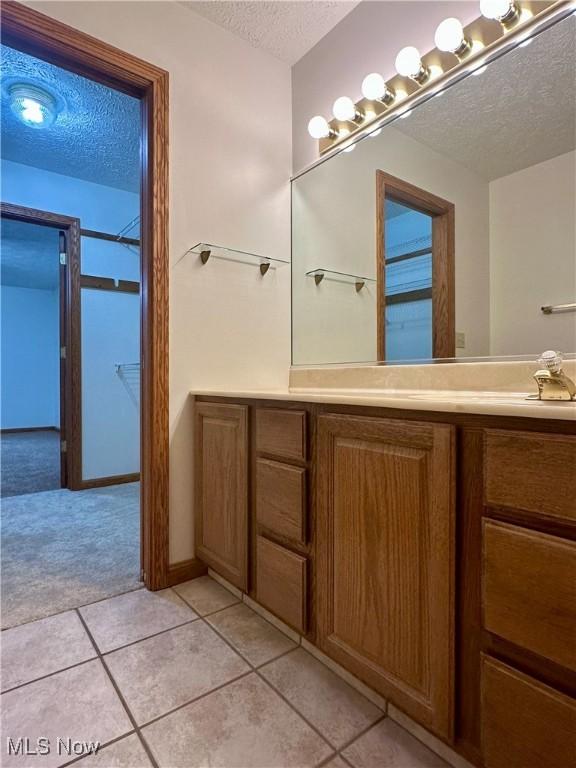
(69, 322)
(390, 187)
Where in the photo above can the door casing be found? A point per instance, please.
(44, 37)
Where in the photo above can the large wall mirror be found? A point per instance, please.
(445, 233)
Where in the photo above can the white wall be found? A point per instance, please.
(533, 257)
(30, 320)
(366, 40)
(230, 160)
(334, 225)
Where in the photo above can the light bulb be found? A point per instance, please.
(500, 10)
(344, 109)
(32, 105)
(318, 127)
(374, 88)
(409, 64)
(450, 37)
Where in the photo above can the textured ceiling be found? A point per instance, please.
(95, 137)
(29, 257)
(284, 28)
(519, 112)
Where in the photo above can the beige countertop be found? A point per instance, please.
(449, 401)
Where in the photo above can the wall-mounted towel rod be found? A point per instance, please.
(550, 309)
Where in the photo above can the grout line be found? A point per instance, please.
(119, 693)
(50, 674)
(257, 672)
(101, 747)
(76, 607)
(344, 760)
(327, 760)
(195, 699)
(361, 733)
(148, 637)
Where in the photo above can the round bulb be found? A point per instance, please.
(373, 86)
(449, 35)
(495, 9)
(344, 109)
(408, 62)
(32, 105)
(318, 127)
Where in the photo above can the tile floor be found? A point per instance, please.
(184, 678)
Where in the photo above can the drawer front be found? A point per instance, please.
(531, 471)
(281, 433)
(525, 724)
(529, 590)
(281, 578)
(281, 499)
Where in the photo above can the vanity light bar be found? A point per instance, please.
(457, 51)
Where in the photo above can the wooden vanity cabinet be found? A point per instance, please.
(385, 558)
(221, 489)
(432, 555)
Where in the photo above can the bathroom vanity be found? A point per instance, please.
(427, 550)
(407, 511)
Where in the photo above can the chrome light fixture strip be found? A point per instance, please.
(509, 40)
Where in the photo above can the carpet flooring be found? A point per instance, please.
(62, 549)
(30, 462)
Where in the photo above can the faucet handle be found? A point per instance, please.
(551, 360)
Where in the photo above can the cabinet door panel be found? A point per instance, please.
(221, 490)
(385, 559)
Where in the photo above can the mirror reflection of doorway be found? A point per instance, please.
(415, 272)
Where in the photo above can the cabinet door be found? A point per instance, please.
(385, 559)
(221, 489)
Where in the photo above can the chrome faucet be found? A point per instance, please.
(553, 384)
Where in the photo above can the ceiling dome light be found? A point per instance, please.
(503, 11)
(345, 109)
(374, 88)
(409, 64)
(319, 128)
(450, 37)
(32, 105)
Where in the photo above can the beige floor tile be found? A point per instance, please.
(43, 647)
(244, 724)
(337, 710)
(205, 595)
(78, 704)
(255, 638)
(126, 753)
(387, 745)
(134, 616)
(173, 668)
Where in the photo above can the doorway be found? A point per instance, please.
(415, 272)
(40, 256)
(31, 32)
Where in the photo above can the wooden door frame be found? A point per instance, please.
(69, 321)
(443, 269)
(42, 36)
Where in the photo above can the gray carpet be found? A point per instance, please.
(62, 549)
(30, 462)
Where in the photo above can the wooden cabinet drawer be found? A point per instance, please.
(531, 471)
(281, 499)
(281, 582)
(281, 433)
(529, 590)
(525, 724)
